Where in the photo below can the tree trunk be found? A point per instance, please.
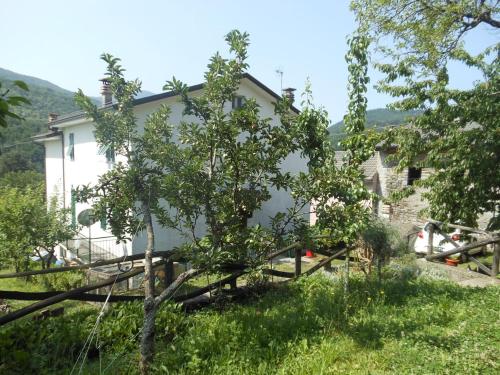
(42, 262)
(49, 258)
(148, 329)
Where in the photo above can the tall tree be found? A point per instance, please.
(128, 194)
(458, 132)
(228, 162)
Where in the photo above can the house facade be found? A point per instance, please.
(73, 158)
(382, 178)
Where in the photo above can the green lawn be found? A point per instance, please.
(401, 326)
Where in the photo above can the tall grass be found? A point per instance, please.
(399, 326)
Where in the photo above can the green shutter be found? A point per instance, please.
(110, 155)
(104, 223)
(73, 208)
(71, 147)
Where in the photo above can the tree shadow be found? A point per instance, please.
(286, 315)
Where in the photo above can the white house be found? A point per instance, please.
(72, 158)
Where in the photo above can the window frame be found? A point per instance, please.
(238, 102)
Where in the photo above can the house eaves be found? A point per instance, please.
(79, 115)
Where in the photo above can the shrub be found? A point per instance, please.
(378, 242)
(62, 280)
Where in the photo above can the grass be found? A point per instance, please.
(400, 326)
(22, 285)
(419, 326)
(18, 284)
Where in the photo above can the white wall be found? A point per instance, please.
(54, 170)
(88, 165)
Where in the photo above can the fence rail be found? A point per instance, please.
(492, 238)
(50, 298)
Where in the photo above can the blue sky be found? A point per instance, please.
(61, 41)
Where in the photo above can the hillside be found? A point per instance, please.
(17, 153)
(375, 118)
(16, 150)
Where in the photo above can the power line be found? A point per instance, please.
(16, 144)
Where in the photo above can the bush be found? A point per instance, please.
(378, 242)
(62, 280)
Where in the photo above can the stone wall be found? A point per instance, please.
(405, 213)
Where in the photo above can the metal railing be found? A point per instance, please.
(93, 249)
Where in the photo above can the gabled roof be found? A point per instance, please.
(148, 99)
(369, 167)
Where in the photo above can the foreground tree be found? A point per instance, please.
(458, 133)
(8, 101)
(220, 170)
(128, 194)
(227, 164)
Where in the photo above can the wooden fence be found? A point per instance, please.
(490, 238)
(46, 299)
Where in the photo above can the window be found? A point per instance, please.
(71, 147)
(238, 102)
(414, 174)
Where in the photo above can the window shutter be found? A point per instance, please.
(71, 146)
(73, 208)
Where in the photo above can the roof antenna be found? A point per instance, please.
(280, 72)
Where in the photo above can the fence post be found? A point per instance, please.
(168, 272)
(328, 266)
(496, 260)
(298, 261)
(430, 239)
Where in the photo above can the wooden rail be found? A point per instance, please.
(493, 238)
(128, 258)
(50, 298)
(462, 227)
(326, 261)
(463, 249)
(74, 292)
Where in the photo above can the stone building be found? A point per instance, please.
(382, 178)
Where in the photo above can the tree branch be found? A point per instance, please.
(181, 279)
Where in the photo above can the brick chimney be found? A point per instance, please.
(106, 95)
(53, 117)
(288, 93)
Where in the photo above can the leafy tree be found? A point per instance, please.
(7, 101)
(129, 194)
(28, 227)
(228, 163)
(215, 171)
(22, 179)
(458, 133)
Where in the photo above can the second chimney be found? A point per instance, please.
(106, 95)
(53, 117)
(288, 93)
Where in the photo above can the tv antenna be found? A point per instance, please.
(279, 71)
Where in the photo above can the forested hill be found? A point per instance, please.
(375, 118)
(16, 150)
(17, 153)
